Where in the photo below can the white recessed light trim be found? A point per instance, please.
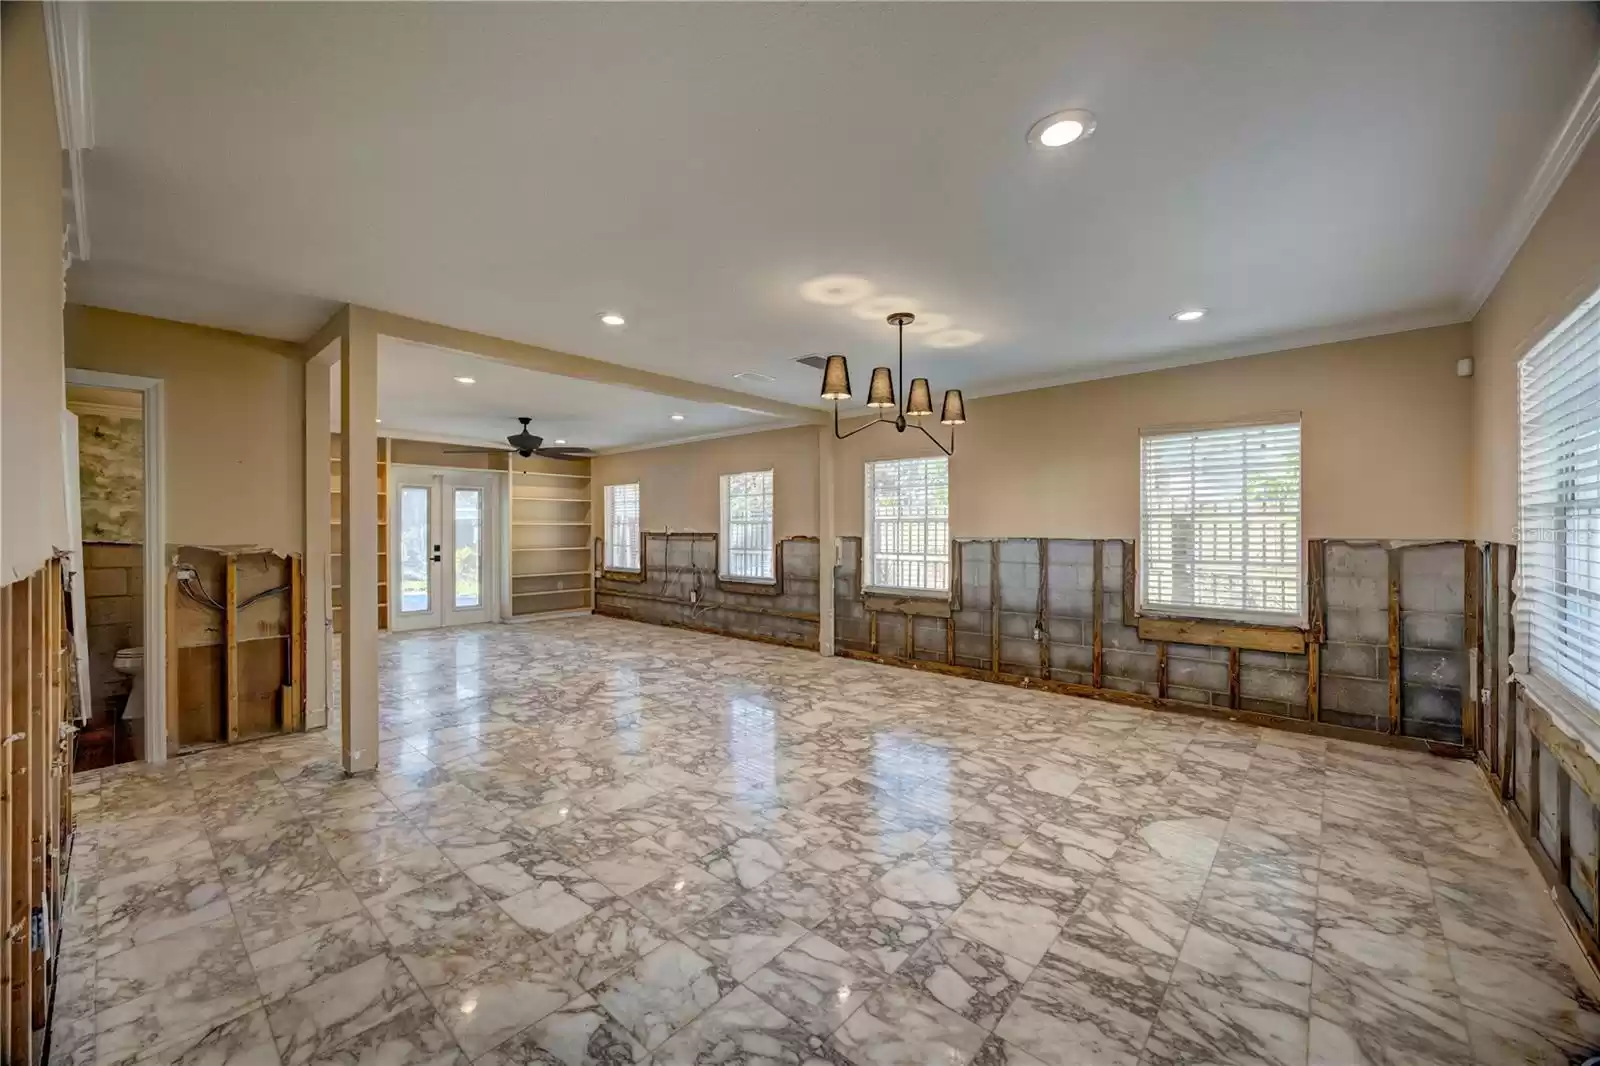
(1189, 314)
(1061, 129)
(677, 418)
(561, 442)
(611, 318)
(467, 381)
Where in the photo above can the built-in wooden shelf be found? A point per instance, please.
(548, 526)
(336, 577)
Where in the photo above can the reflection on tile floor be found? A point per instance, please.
(595, 841)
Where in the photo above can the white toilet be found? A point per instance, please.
(130, 661)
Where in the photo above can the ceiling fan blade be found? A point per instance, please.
(565, 453)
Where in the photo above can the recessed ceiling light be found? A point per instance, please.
(467, 381)
(677, 418)
(611, 318)
(561, 442)
(377, 420)
(1191, 314)
(1061, 129)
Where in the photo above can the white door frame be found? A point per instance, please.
(155, 541)
(495, 555)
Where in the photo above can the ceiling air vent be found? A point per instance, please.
(814, 361)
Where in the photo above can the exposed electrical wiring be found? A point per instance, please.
(263, 594)
(190, 585)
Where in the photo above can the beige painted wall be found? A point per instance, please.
(33, 517)
(1556, 268)
(679, 485)
(1384, 447)
(235, 422)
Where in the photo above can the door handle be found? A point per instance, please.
(436, 556)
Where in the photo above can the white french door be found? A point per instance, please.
(442, 561)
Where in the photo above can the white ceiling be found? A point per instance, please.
(1303, 170)
(418, 397)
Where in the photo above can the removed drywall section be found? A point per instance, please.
(1060, 613)
(235, 422)
(678, 585)
(236, 635)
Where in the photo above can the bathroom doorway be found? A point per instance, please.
(111, 516)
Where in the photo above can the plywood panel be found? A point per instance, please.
(201, 694)
(262, 674)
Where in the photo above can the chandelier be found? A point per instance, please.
(909, 410)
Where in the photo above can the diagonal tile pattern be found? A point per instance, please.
(590, 841)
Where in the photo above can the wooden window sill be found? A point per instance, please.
(1244, 635)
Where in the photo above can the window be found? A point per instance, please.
(622, 527)
(747, 526)
(908, 525)
(1219, 523)
(1558, 560)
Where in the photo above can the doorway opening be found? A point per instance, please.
(110, 498)
(444, 557)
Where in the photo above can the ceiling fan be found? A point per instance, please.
(528, 444)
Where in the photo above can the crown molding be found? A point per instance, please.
(1559, 156)
(67, 38)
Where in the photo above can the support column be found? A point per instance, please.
(358, 538)
(319, 542)
(828, 539)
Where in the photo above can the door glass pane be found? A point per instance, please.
(415, 593)
(469, 547)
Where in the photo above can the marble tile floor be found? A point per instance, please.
(591, 841)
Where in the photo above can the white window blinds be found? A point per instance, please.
(747, 526)
(908, 524)
(1558, 561)
(1219, 523)
(622, 527)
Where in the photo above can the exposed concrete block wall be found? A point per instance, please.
(1433, 652)
(679, 586)
(1035, 604)
(113, 590)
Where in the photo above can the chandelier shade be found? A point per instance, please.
(920, 402)
(881, 392)
(955, 409)
(836, 379)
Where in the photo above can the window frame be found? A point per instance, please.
(725, 536)
(1548, 685)
(868, 568)
(1296, 619)
(611, 544)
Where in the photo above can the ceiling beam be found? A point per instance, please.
(563, 364)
